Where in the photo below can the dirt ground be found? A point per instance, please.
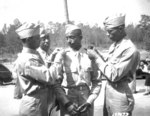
(142, 106)
(10, 106)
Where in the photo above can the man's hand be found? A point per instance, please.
(53, 54)
(60, 56)
(92, 54)
(71, 108)
(57, 105)
(84, 107)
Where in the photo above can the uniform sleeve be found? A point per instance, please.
(96, 83)
(60, 94)
(38, 71)
(117, 68)
(56, 71)
(58, 64)
(17, 89)
(52, 56)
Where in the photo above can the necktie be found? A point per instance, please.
(79, 62)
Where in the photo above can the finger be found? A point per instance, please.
(73, 112)
(80, 107)
(83, 110)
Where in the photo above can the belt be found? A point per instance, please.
(78, 87)
(38, 90)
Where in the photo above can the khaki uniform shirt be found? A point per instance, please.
(45, 56)
(33, 79)
(118, 69)
(31, 72)
(78, 69)
(51, 93)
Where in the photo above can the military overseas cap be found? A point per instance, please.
(73, 30)
(27, 30)
(43, 32)
(114, 21)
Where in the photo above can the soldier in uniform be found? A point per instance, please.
(79, 74)
(33, 77)
(44, 51)
(118, 68)
(147, 80)
(44, 48)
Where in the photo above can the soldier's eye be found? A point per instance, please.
(71, 37)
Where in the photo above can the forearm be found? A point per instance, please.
(91, 98)
(95, 90)
(112, 72)
(41, 74)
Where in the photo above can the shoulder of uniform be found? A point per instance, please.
(34, 62)
(67, 49)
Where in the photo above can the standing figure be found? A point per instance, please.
(80, 76)
(48, 58)
(118, 68)
(34, 78)
(132, 84)
(147, 79)
(44, 48)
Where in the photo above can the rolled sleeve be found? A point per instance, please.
(95, 90)
(57, 71)
(96, 83)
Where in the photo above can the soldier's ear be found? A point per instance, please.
(81, 37)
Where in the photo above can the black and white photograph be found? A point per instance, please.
(74, 57)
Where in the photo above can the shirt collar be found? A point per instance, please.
(81, 51)
(41, 51)
(117, 44)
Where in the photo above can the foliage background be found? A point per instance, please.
(10, 45)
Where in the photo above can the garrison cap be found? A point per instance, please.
(27, 30)
(42, 32)
(114, 21)
(73, 30)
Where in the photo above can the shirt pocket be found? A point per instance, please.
(86, 64)
(73, 68)
(85, 75)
